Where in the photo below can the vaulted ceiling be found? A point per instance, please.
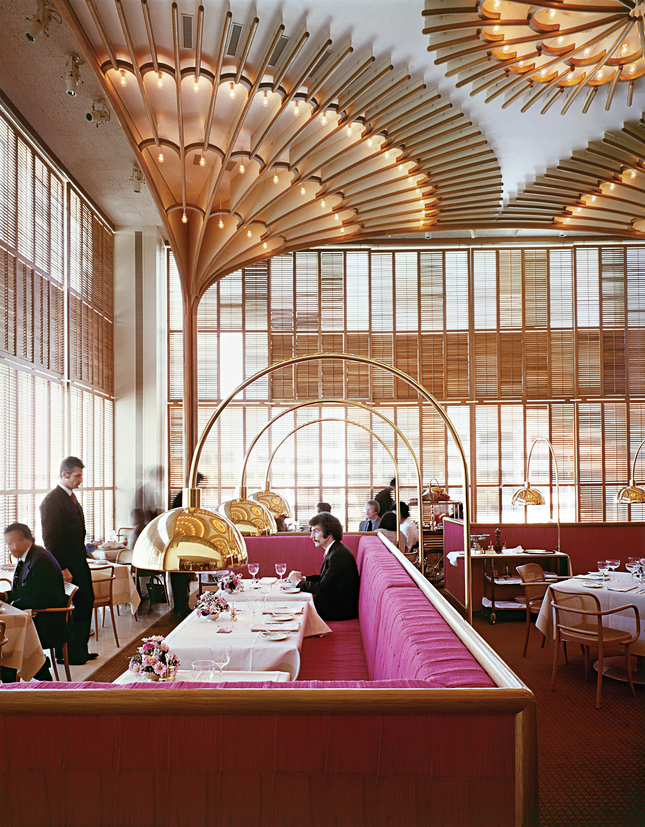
(273, 127)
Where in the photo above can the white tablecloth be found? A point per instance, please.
(227, 677)
(124, 589)
(23, 652)
(608, 600)
(252, 652)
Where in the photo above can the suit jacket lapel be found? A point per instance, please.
(19, 584)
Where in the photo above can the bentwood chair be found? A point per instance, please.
(104, 578)
(70, 591)
(535, 585)
(3, 638)
(578, 619)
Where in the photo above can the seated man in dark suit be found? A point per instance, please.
(335, 589)
(372, 519)
(37, 584)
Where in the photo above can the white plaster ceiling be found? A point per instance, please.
(100, 158)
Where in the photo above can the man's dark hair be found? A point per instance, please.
(375, 505)
(329, 525)
(68, 465)
(393, 482)
(22, 528)
(388, 521)
(323, 507)
(405, 511)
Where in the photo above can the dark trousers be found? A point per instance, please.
(8, 675)
(180, 590)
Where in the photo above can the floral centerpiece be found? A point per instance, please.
(154, 660)
(211, 605)
(231, 582)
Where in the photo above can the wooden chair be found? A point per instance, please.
(578, 619)
(535, 585)
(70, 591)
(3, 638)
(106, 575)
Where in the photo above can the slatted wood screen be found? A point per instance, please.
(56, 338)
(515, 343)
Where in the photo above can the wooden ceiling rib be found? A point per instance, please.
(598, 190)
(521, 50)
(324, 146)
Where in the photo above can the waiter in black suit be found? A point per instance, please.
(37, 584)
(63, 526)
(335, 589)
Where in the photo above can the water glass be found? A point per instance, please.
(632, 565)
(203, 670)
(281, 570)
(602, 567)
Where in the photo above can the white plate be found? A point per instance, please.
(593, 585)
(596, 574)
(290, 590)
(275, 635)
(280, 618)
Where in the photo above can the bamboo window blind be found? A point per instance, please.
(56, 338)
(515, 342)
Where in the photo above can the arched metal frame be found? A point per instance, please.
(348, 422)
(189, 498)
(325, 401)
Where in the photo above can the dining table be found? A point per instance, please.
(23, 652)
(617, 590)
(227, 676)
(270, 642)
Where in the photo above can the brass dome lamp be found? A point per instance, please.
(189, 539)
(532, 496)
(251, 518)
(632, 494)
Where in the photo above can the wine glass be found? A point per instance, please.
(602, 567)
(613, 565)
(632, 565)
(221, 655)
(253, 569)
(281, 570)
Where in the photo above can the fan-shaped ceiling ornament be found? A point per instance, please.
(257, 141)
(600, 189)
(540, 52)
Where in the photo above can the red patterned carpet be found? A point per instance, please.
(591, 761)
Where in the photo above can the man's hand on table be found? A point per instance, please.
(295, 577)
(67, 575)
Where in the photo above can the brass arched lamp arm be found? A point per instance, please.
(638, 450)
(347, 422)
(364, 360)
(522, 494)
(326, 401)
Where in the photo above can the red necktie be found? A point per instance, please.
(74, 500)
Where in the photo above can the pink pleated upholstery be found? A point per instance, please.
(310, 684)
(415, 641)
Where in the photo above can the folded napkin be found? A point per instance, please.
(277, 627)
(621, 588)
(516, 550)
(268, 581)
(283, 611)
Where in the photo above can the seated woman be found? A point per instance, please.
(408, 528)
(387, 526)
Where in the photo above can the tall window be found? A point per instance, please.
(56, 338)
(515, 344)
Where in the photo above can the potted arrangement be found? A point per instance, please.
(154, 660)
(211, 605)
